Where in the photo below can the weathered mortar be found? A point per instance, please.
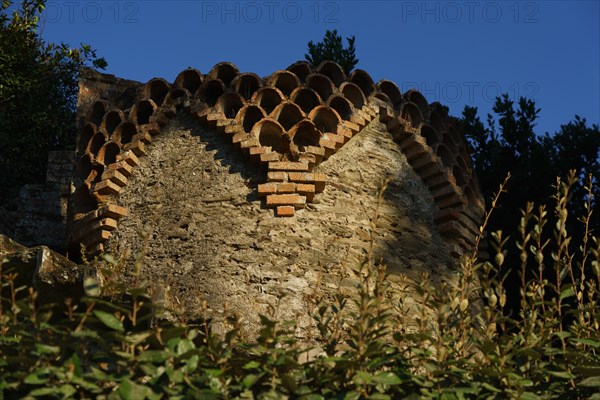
(211, 239)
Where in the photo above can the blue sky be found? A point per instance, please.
(456, 52)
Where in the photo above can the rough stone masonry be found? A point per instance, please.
(255, 194)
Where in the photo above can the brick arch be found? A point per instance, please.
(291, 148)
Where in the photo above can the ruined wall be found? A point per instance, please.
(209, 238)
(243, 190)
(41, 214)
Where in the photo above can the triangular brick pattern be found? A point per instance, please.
(287, 123)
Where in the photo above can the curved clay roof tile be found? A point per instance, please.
(301, 69)
(285, 81)
(189, 79)
(224, 71)
(391, 90)
(333, 71)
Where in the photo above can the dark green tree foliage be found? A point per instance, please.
(507, 142)
(38, 93)
(510, 144)
(332, 49)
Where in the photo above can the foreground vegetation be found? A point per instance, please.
(462, 344)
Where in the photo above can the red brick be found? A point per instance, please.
(344, 132)
(445, 191)
(95, 250)
(143, 137)
(277, 176)
(386, 113)
(256, 151)
(453, 228)
(285, 211)
(452, 201)
(412, 140)
(466, 222)
(138, 147)
(121, 166)
(328, 144)
(222, 124)
(474, 212)
(424, 162)
(152, 128)
(286, 187)
(358, 120)
(414, 153)
(107, 187)
(107, 224)
(240, 136)
(447, 214)
(304, 177)
(116, 177)
(310, 159)
(435, 181)
(369, 111)
(268, 157)
(231, 130)
(317, 151)
(94, 237)
(286, 200)
(435, 170)
(113, 211)
(84, 230)
(267, 188)
(85, 218)
(201, 114)
(129, 157)
(337, 139)
(250, 142)
(307, 190)
(353, 127)
(288, 166)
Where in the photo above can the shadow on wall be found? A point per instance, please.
(227, 155)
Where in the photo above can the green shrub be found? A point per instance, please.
(463, 344)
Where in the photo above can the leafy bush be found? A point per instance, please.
(462, 344)
(38, 95)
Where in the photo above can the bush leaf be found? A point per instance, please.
(110, 320)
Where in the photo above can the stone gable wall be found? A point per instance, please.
(195, 215)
